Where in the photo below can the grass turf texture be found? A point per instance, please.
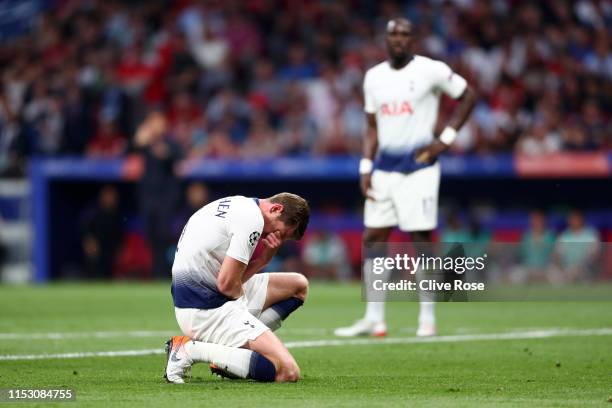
(558, 371)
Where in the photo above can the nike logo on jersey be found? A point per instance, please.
(396, 108)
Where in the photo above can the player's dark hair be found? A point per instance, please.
(296, 212)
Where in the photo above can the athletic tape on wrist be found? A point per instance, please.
(448, 135)
(365, 166)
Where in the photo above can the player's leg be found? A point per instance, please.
(233, 362)
(380, 215)
(417, 203)
(270, 347)
(285, 292)
(375, 310)
(222, 337)
(427, 317)
(373, 322)
(264, 358)
(285, 285)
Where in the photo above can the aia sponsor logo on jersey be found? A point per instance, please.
(396, 108)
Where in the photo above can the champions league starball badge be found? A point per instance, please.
(254, 237)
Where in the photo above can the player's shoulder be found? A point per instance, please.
(247, 209)
(246, 203)
(377, 70)
(428, 63)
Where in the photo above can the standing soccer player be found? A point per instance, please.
(400, 175)
(226, 310)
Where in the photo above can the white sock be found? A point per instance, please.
(271, 318)
(426, 313)
(232, 359)
(375, 311)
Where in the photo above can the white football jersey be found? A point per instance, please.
(231, 227)
(405, 102)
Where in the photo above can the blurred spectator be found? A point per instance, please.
(576, 251)
(159, 189)
(539, 140)
(474, 235)
(480, 236)
(287, 259)
(8, 135)
(261, 141)
(326, 257)
(543, 70)
(108, 141)
(197, 196)
(453, 231)
(298, 65)
(43, 121)
(102, 235)
(134, 260)
(536, 250)
(77, 121)
(209, 49)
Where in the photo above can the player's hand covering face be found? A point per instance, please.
(276, 226)
(272, 243)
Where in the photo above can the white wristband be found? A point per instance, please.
(448, 135)
(365, 166)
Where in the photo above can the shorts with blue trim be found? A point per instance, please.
(234, 323)
(408, 201)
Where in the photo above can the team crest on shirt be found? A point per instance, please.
(254, 237)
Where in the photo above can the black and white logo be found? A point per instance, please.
(254, 237)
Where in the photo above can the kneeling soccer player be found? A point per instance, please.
(225, 310)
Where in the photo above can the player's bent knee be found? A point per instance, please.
(301, 287)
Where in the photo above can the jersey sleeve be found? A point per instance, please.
(245, 228)
(368, 98)
(449, 82)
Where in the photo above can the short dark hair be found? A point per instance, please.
(296, 212)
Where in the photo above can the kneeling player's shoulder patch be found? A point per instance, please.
(254, 237)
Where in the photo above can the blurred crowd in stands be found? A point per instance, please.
(542, 252)
(264, 78)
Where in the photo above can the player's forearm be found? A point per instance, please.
(370, 140)
(463, 110)
(229, 281)
(255, 266)
(370, 146)
(230, 288)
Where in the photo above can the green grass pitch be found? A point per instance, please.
(566, 370)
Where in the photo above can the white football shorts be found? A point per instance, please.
(234, 323)
(409, 201)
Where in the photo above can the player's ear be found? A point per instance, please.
(276, 208)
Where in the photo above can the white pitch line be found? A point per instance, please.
(452, 338)
(539, 334)
(136, 334)
(84, 335)
(83, 354)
